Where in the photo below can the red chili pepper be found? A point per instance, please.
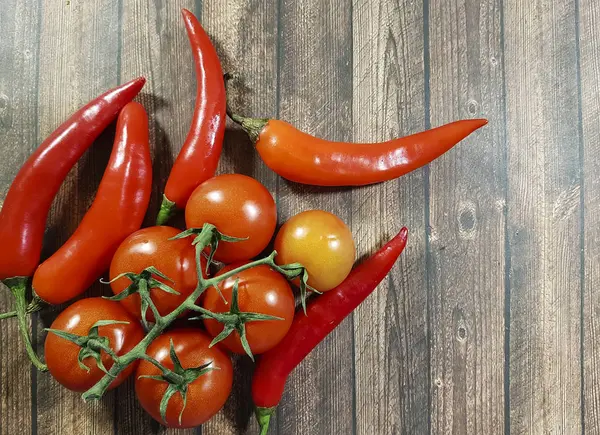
(199, 157)
(117, 211)
(302, 158)
(323, 314)
(23, 216)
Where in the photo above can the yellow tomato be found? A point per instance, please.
(322, 243)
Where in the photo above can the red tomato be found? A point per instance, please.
(206, 395)
(61, 354)
(322, 243)
(174, 258)
(260, 290)
(239, 206)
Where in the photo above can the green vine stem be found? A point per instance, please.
(142, 283)
(203, 238)
(18, 287)
(8, 315)
(34, 306)
(177, 379)
(234, 320)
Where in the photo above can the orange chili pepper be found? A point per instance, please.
(117, 211)
(302, 158)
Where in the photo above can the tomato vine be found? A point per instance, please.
(207, 236)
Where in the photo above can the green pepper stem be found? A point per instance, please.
(252, 126)
(167, 210)
(34, 306)
(263, 416)
(18, 287)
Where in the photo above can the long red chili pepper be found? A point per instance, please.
(199, 157)
(323, 314)
(25, 210)
(302, 158)
(117, 211)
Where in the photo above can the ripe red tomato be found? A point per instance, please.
(239, 206)
(260, 290)
(174, 258)
(206, 395)
(61, 354)
(322, 243)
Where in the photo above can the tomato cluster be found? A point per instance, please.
(250, 310)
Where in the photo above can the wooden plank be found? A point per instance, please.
(466, 220)
(390, 329)
(155, 45)
(316, 96)
(18, 138)
(589, 62)
(543, 216)
(78, 54)
(245, 34)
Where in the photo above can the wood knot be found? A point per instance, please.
(472, 107)
(5, 115)
(3, 101)
(467, 220)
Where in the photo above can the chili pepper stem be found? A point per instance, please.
(263, 415)
(167, 210)
(252, 126)
(34, 306)
(18, 287)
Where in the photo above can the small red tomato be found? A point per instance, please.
(174, 258)
(260, 290)
(239, 206)
(61, 354)
(322, 243)
(206, 395)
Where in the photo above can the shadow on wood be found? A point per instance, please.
(239, 408)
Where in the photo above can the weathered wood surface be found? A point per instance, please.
(488, 322)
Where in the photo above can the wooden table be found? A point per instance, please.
(487, 324)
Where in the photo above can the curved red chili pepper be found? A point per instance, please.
(117, 211)
(302, 158)
(323, 314)
(25, 210)
(199, 157)
(23, 216)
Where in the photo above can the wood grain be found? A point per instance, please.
(155, 45)
(466, 219)
(589, 55)
(18, 138)
(70, 75)
(316, 96)
(543, 217)
(391, 354)
(497, 235)
(245, 34)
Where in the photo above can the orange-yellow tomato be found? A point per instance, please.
(322, 243)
